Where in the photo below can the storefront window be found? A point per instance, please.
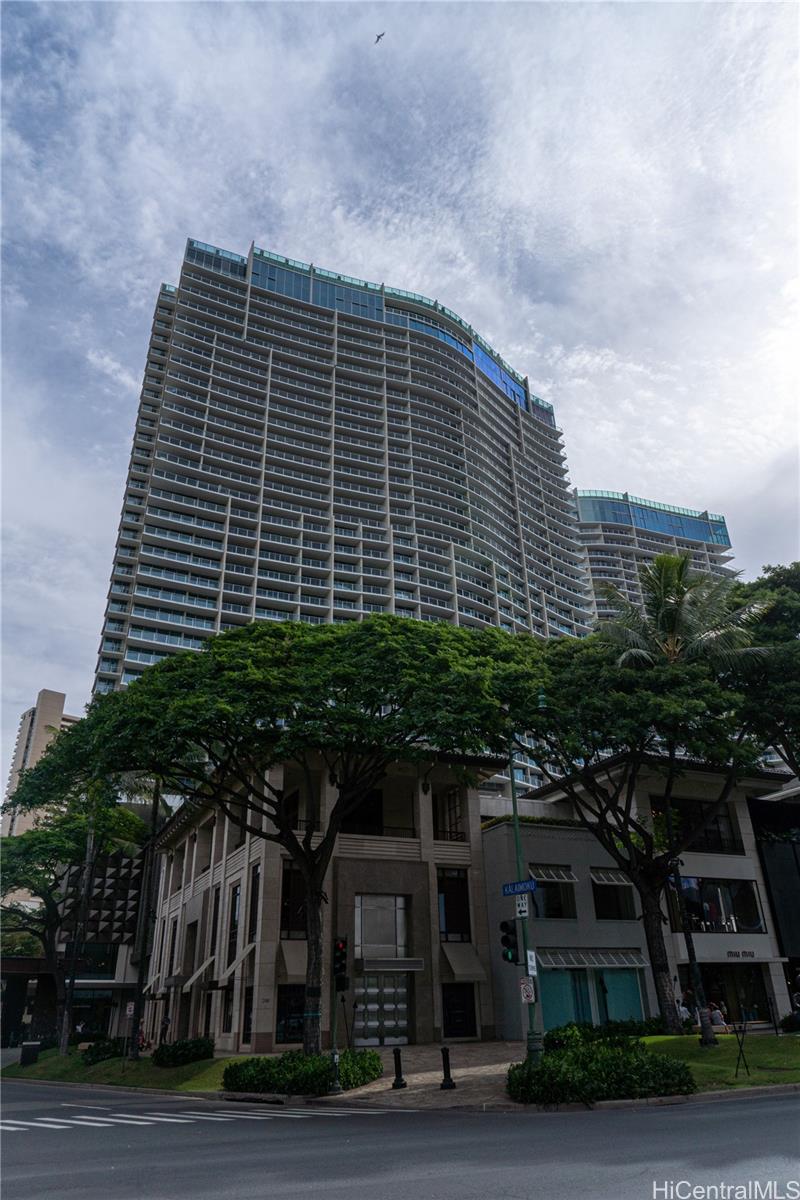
(718, 905)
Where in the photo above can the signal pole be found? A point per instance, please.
(534, 1038)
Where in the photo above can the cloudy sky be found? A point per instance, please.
(606, 191)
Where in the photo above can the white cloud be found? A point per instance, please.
(605, 191)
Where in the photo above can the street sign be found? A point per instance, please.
(532, 962)
(527, 990)
(522, 885)
(129, 1009)
(522, 905)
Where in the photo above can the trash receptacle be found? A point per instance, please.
(29, 1054)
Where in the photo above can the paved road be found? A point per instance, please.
(85, 1144)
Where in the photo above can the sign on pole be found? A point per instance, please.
(522, 885)
(527, 991)
(532, 963)
(522, 905)
(129, 1008)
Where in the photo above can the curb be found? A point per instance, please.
(715, 1097)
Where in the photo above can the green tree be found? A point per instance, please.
(356, 697)
(598, 728)
(771, 683)
(686, 616)
(36, 867)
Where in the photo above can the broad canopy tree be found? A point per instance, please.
(599, 728)
(357, 697)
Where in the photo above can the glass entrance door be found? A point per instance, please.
(381, 1014)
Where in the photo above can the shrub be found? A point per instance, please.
(298, 1074)
(587, 1073)
(790, 1023)
(612, 1032)
(102, 1050)
(175, 1054)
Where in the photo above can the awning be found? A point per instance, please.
(229, 970)
(464, 962)
(198, 972)
(544, 873)
(608, 875)
(295, 959)
(549, 957)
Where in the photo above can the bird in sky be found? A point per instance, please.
(378, 37)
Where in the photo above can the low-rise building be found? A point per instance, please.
(585, 920)
(405, 889)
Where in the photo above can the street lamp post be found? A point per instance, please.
(533, 1038)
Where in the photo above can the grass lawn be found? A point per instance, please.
(205, 1076)
(771, 1059)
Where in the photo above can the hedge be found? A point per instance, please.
(791, 1022)
(102, 1050)
(563, 1037)
(298, 1074)
(175, 1054)
(587, 1073)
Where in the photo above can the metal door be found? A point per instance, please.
(381, 1014)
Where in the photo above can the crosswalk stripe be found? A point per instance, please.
(205, 1117)
(4, 1128)
(42, 1123)
(109, 1121)
(160, 1117)
(86, 1122)
(250, 1116)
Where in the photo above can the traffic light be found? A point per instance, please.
(340, 964)
(508, 941)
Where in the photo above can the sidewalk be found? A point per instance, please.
(478, 1069)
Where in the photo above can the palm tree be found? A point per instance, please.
(684, 616)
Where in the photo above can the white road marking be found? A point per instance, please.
(86, 1122)
(5, 1128)
(204, 1117)
(161, 1117)
(251, 1116)
(108, 1121)
(66, 1104)
(42, 1123)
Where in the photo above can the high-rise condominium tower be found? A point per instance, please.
(37, 728)
(621, 533)
(312, 447)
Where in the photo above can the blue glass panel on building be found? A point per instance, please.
(558, 1004)
(273, 278)
(676, 524)
(591, 508)
(441, 334)
(515, 391)
(353, 301)
(216, 261)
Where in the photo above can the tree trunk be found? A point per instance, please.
(312, 1013)
(707, 1035)
(653, 923)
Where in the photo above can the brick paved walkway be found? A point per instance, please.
(478, 1069)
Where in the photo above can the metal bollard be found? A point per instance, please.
(399, 1082)
(448, 1083)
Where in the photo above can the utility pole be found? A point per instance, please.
(79, 933)
(143, 920)
(533, 1038)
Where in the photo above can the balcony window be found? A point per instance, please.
(453, 888)
(293, 903)
(233, 922)
(719, 836)
(718, 905)
(554, 897)
(613, 895)
(385, 812)
(447, 815)
(381, 926)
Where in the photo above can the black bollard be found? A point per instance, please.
(399, 1082)
(448, 1083)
